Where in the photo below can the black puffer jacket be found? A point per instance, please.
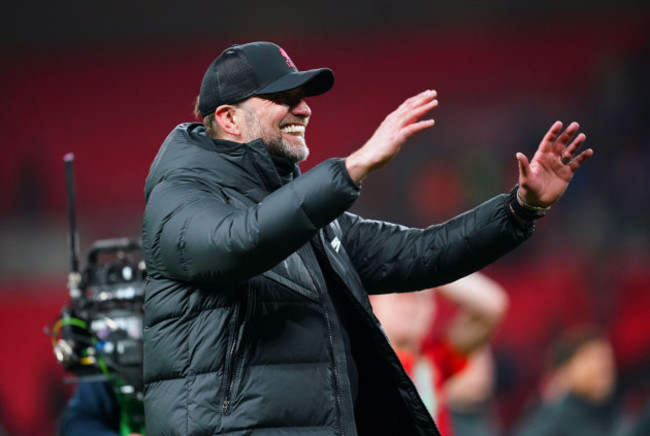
(240, 339)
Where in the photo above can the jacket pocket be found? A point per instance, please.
(235, 357)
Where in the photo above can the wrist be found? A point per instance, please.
(523, 211)
(356, 167)
(528, 205)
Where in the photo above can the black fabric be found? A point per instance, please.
(285, 166)
(373, 394)
(240, 337)
(242, 71)
(228, 79)
(344, 313)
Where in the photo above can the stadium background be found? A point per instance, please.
(108, 80)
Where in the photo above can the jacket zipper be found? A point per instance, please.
(231, 376)
(232, 354)
(337, 389)
(334, 369)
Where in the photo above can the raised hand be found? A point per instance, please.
(543, 181)
(391, 134)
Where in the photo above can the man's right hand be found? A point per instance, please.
(391, 134)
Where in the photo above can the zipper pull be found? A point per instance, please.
(226, 403)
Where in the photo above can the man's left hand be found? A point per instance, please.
(543, 181)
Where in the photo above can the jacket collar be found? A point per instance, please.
(275, 171)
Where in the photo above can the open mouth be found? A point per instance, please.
(294, 129)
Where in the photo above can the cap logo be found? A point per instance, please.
(287, 58)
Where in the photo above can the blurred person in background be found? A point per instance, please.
(578, 397)
(470, 393)
(433, 359)
(94, 410)
(257, 318)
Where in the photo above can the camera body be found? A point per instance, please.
(99, 331)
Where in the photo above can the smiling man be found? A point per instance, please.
(257, 317)
(278, 119)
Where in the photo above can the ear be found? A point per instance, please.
(227, 120)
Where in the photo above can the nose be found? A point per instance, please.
(301, 109)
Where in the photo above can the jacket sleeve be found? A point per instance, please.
(195, 235)
(393, 258)
(93, 410)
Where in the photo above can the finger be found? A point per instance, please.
(414, 128)
(549, 138)
(410, 114)
(417, 100)
(580, 159)
(418, 111)
(566, 137)
(572, 148)
(428, 94)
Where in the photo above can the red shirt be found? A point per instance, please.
(429, 372)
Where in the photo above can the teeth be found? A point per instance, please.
(294, 129)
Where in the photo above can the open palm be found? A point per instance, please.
(543, 180)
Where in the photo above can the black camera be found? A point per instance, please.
(99, 331)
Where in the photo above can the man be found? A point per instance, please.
(257, 318)
(433, 360)
(582, 399)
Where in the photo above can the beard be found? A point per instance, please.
(274, 142)
(279, 147)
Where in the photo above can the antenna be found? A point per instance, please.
(74, 277)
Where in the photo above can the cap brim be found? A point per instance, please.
(315, 82)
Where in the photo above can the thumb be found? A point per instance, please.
(524, 168)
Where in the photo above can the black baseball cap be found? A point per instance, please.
(256, 68)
